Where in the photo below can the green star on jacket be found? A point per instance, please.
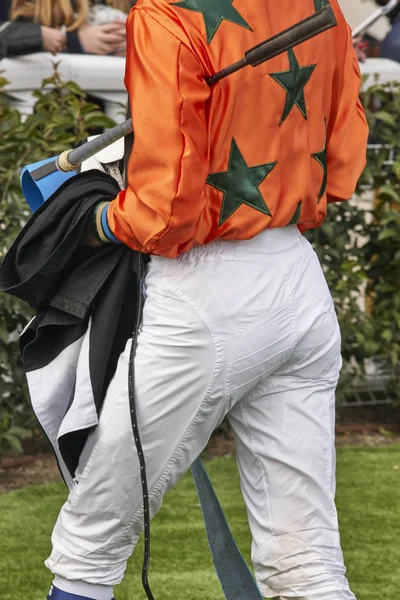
(214, 12)
(240, 184)
(294, 82)
(322, 158)
(319, 4)
(296, 215)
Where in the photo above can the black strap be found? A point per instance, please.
(139, 264)
(136, 435)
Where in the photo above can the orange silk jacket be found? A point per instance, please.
(266, 147)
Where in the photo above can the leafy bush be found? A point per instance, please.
(382, 252)
(62, 118)
(368, 263)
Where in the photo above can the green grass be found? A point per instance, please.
(368, 500)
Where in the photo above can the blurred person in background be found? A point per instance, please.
(391, 44)
(55, 26)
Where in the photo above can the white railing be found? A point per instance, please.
(100, 76)
(103, 77)
(383, 69)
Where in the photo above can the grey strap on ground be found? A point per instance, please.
(235, 577)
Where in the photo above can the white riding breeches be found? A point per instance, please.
(239, 329)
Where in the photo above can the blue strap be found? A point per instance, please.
(235, 577)
(104, 223)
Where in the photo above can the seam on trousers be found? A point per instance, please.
(158, 487)
(229, 367)
(259, 462)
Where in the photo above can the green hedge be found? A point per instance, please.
(370, 260)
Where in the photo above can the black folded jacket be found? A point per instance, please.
(77, 293)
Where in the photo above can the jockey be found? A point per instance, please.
(238, 320)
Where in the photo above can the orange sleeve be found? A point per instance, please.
(347, 133)
(168, 166)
